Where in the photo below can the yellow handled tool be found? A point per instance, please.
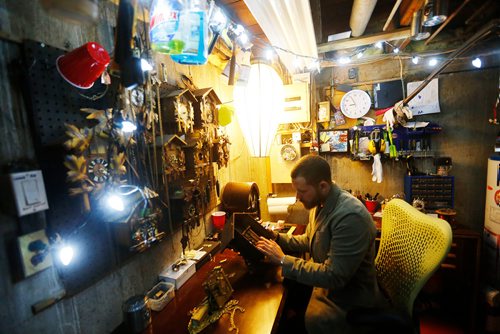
(393, 153)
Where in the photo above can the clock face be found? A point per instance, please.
(355, 103)
(209, 116)
(191, 210)
(288, 153)
(98, 170)
(173, 160)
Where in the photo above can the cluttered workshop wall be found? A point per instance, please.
(241, 167)
(466, 99)
(78, 312)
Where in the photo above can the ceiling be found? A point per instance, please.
(465, 17)
(335, 15)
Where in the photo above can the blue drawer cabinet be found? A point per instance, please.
(436, 191)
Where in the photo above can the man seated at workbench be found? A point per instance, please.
(340, 238)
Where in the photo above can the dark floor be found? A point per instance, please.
(434, 325)
(432, 320)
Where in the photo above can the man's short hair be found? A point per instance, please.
(313, 169)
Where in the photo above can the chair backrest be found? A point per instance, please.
(412, 247)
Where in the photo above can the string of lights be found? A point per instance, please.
(356, 56)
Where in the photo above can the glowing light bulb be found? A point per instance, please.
(344, 60)
(415, 60)
(145, 65)
(116, 203)
(238, 29)
(379, 45)
(433, 62)
(243, 38)
(128, 126)
(66, 255)
(396, 50)
(270, 54)
(476, 63)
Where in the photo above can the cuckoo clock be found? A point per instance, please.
(198, 156)
(205, 112)
(173, 159)
(94, 159)
(177, 111)
(185, 199)
(220, 150)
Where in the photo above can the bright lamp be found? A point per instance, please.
(258, 107)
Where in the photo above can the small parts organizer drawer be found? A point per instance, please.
(436, 191)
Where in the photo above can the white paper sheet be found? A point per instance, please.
(427, 100)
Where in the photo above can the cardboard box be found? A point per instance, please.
(209, 248)
(178, 278)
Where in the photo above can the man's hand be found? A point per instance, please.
(271, 249)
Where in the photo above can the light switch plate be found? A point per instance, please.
(29, 192)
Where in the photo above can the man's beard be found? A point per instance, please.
(313, 203)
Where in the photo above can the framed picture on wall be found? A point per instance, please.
(333, 140)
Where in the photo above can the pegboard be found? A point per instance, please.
(52, 102)
(55, 101)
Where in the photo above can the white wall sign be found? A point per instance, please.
(427, 100)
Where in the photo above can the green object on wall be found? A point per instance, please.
(225, 115)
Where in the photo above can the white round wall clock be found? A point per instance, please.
(355, 103)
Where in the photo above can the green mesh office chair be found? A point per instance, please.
(412, 247)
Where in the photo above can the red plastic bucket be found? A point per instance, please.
(82, 66)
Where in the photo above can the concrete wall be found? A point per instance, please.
(97, 309)
(466, 99)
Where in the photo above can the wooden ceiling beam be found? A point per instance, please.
(404, 44)
(391, 15)
(407, 11)
(365, 40)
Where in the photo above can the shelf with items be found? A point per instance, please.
(413, 140)
(436, 191)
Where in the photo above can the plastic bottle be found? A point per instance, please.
(193, 34)
(164, 24)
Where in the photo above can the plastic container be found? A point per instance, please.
(219, 219)
(84, 65)
(192, 34)
(371, 206)
(160, 295)
(164, 24)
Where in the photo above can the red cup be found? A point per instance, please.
(82, 66)
(219, 219)
(371, 206)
